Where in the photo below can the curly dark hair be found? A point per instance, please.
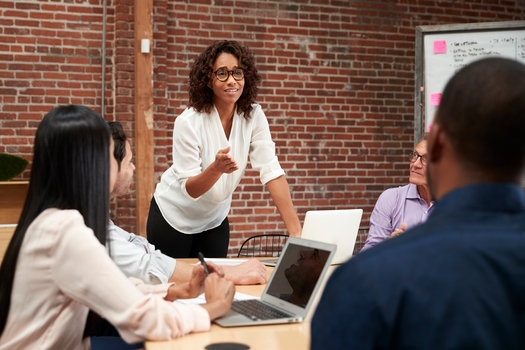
(201, 96)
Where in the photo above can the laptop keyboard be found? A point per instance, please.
(256, 310)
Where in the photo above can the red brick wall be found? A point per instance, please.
(338, 84)
(50, 54)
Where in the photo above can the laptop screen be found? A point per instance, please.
(297, 274)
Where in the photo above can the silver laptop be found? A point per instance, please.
(339, 227)
(291, 290)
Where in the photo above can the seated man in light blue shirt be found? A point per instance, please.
(402, 207)
(136, 257)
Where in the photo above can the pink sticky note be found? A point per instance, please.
(440, 46)
(435, 98)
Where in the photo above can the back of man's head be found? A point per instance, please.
(483, 113)
(119, 139)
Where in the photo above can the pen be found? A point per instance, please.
(203, 262)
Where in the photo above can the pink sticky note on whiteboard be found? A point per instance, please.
(440, 46)
(435, 98)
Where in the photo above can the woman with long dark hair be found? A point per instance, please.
(56, 267)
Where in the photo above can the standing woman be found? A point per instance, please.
(56, 267)
(212, 141)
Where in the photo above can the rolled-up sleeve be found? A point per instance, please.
(262, 149)
(137, 258)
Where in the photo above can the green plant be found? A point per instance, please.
(11, 166)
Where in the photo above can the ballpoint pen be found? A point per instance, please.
(203, 262)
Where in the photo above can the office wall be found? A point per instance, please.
(338, 84)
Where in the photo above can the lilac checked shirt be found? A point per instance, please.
(394, 207)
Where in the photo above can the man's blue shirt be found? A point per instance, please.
(454, 282)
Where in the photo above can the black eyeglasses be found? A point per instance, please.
(413, 156)
(223, 74)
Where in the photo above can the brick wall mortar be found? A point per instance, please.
(338, 84)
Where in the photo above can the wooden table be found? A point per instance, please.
(12, 198)
(6, 232)
(284, 336)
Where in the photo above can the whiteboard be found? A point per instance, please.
(445, 49)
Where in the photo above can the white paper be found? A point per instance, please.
(202, 300)
(225, 262)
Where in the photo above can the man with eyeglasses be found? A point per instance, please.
(403, 207)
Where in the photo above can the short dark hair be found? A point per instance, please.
(119, 139)
(70, 170)
(482, 111)
(201, 96)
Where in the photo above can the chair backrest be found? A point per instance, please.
(269, 245)
(361, 239)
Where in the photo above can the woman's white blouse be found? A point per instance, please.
(197, 137)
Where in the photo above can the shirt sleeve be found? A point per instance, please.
(381, 219)
(136, 257)
(187, 161)
(262, 149)
(83, 270)
(158, 289)
(346, 316)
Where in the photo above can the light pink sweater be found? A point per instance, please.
(63, 271)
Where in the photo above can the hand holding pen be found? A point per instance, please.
(210, 267)
(218, 291)
(207, 273)
(203, 262)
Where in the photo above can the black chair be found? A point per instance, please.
(269, 245)
(362, 235)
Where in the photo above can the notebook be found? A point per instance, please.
(339, 227)
(292, 287)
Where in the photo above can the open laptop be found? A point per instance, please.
(339, 227)
(288, 294)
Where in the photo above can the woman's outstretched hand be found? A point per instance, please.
(224, 162)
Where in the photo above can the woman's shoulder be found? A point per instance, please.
(58, 219)
(256, 109)
(190, 117)
(56, 214)
(189, 114)
(257, 114)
